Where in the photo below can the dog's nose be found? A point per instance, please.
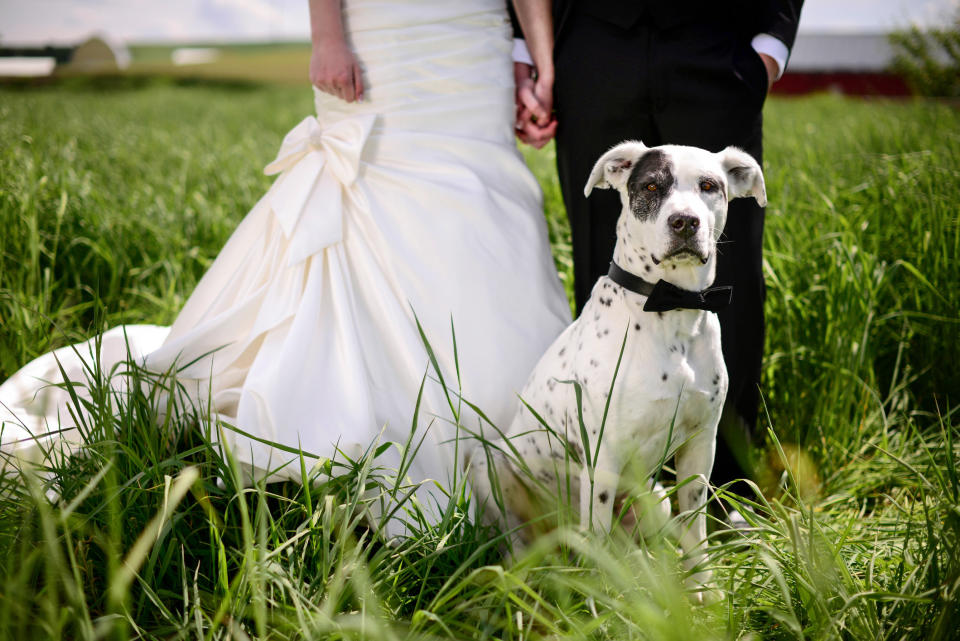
(683, 225)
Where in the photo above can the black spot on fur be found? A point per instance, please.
(606, 331)
(563, 350)
(603, 497)
(593, 362)
(653, 168)
(659, 314)
(636, 326)
(646, 267)
(664, 377)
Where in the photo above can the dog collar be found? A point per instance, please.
(665, 296)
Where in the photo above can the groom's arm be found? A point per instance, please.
(778, 32)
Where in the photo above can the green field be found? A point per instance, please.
(112, 205)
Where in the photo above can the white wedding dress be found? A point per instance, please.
(412, 205)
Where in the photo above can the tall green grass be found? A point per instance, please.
(112, 204)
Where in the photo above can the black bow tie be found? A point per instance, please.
(665, 296)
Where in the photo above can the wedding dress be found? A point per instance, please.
(411, 206)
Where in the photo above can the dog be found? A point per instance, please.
(647, 379)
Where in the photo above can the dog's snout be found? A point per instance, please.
(683, 225)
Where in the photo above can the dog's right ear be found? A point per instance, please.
(613, 168)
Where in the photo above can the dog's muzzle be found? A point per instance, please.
(683, 250)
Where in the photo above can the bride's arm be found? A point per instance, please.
(333, 67)
(535, 122)
(536, 20)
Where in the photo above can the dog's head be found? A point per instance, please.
(675, 199)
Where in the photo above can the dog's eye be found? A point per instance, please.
(706, 185)
(651, 187)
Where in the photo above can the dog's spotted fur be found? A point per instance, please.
(672, 381)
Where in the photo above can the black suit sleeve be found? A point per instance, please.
(781, 20)
(514, 22)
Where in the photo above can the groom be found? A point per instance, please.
(685, 73)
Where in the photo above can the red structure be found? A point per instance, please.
(854, 83)
(853, 63)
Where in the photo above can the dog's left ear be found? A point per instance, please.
(613, 168)
(744, 176)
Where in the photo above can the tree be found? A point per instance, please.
(929, 60)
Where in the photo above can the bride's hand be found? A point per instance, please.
(535, 124)
(335, 70)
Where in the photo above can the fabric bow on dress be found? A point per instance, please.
(316, 164)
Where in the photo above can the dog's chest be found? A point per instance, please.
(670, 383)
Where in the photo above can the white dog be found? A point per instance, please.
(671, 381)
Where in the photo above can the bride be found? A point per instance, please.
(403, 204)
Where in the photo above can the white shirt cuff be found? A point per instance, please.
(770, 45)
(521, 53)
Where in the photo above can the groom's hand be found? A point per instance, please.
(535, 124)
(773, 69)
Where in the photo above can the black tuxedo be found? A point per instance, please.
(671, 73)
(744, 17)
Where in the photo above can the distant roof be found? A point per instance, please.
(100, 53)
(31, 67)
(841, 52)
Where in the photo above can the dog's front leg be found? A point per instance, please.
(597, 497)
(695, 459)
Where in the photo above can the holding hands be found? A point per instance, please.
(535, 124)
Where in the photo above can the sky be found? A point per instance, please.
(66, 21)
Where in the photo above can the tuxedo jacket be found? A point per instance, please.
(746, 18)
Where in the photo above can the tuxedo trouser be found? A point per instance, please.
(690, 85)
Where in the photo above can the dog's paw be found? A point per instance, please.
(702, 590)
(706, 596)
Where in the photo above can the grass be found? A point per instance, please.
(275, 62)
(114, 203)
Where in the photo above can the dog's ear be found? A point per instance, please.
(744, 176)
(613, 168)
